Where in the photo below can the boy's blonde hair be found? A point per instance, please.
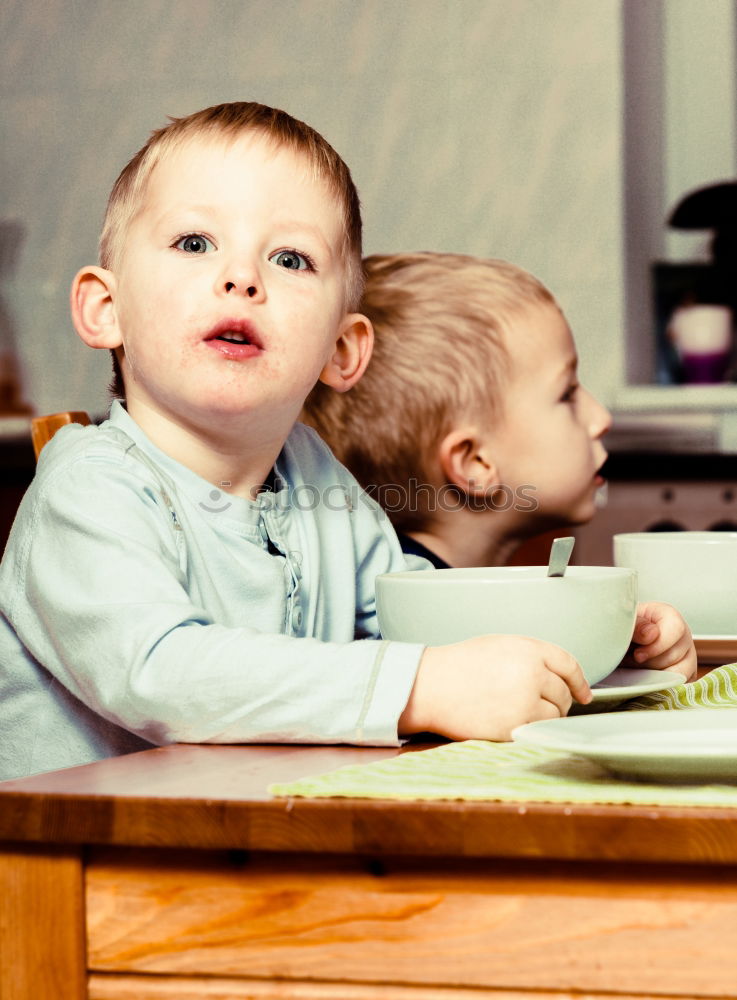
(438, 359)
(224, 122)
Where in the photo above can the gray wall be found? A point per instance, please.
(484, 126)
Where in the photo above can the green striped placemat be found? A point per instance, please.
(476, 770)
(717, 689)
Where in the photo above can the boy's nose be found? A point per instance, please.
(601, 419)
(238, 280)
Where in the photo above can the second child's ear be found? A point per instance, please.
(351, 355)
(93, 311)
(466, 462)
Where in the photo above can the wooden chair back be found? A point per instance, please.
(43, 428)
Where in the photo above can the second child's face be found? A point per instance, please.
(230, 287)
(549, 435)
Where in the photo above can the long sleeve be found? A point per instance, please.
(133, 607)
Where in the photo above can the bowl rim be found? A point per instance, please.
(681, 537)
(506, 574)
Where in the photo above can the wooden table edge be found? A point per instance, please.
(564, 831)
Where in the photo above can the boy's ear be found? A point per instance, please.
(466, 462)
(93, 310)
(351, 355)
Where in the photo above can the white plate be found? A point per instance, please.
(626, 683)
(680, 745)
(715, 650)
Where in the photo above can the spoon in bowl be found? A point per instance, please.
(560, 553)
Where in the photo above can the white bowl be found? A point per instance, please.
(590, 611)
(695, 571)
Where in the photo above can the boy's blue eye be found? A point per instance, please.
(292, 261)
(194, 243)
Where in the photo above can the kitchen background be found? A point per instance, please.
(557, 133)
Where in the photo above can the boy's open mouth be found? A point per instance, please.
(601, 473)
(234, 339)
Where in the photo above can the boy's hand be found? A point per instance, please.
(663, 640)
(483, 687)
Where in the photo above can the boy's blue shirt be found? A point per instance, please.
(411, 547)
(141, 605)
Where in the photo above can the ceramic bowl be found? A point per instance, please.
(695, 571)
(590, 611)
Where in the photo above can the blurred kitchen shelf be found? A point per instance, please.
(678, 398)
(685, 418)
(664, 432)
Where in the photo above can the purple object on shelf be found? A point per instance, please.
(706, 368)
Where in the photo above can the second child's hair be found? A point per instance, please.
(438, 359)
(229, 122)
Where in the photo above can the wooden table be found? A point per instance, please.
(173, 874)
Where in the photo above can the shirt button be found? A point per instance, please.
(298, 618)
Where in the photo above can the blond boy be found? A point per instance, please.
(193, 569)
(468, 352)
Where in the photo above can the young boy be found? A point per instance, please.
(480, 433)
(470, 426)
(193, 570)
